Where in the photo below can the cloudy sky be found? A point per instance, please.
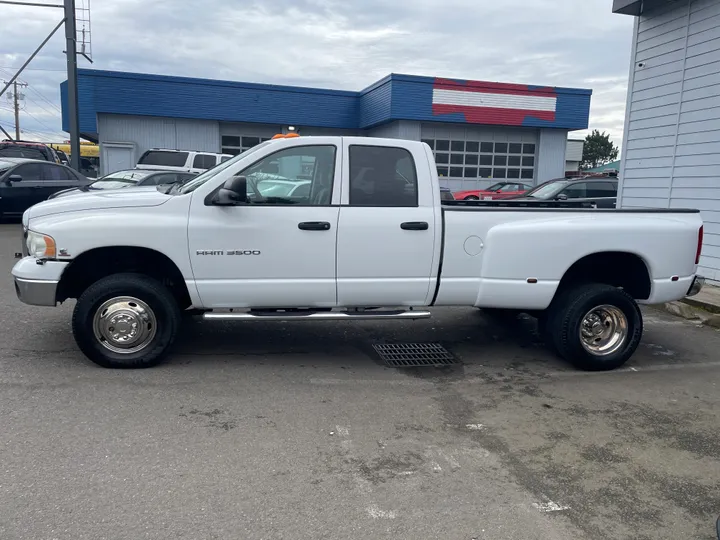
(345, 44)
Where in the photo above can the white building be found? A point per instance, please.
(573, 154)
(671, 148)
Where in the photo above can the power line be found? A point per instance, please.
(51, 113)
(40, 122)
(30, 131)
(37, 93)
(45, 99)
(34, 69)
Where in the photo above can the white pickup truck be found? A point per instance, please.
(368, 239)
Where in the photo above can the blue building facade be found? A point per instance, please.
(151, 111)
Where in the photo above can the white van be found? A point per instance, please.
(180, 160)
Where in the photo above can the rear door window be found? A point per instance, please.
(576, 191)
(602, 189)
(164, 158)
(55, 173)
(204, 161)
(382, 176)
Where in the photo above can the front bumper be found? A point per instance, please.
(36, 282)
(696, 286)
(36, 292)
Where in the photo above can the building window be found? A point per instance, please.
(473, 160)
(232, 144)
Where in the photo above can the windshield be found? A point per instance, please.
(547, 191)
(112, 184)
(496, 187)
(120, 179)
(22, 151)
(4, 166)
(164, 158)
(198, 181)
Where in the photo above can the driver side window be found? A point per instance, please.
(299, 175)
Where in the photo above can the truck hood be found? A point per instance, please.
(97, 200)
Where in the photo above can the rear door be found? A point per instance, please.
(604, 194)
(387, 229)
(54, 178)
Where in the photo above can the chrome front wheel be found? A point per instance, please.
(604, 330)
(124, 325)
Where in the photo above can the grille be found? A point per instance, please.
(414, 354)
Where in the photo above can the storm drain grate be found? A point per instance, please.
(414, 354)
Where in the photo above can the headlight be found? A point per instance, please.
(40, 246)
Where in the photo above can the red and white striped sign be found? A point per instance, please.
(493, 103)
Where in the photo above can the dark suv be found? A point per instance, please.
(28, 150)
(602, 191)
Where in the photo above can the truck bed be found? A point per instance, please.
(513, 254)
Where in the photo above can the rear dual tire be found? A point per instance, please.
(596, 327)
(126, 321)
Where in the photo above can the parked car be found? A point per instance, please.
(501, 190)
(376, 251)
(180, 160)
(128, 178)
(28, 150)
(25, 182)
(601, 191)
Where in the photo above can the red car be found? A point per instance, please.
(501, 190)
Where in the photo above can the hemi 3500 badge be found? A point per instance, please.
(229, 252)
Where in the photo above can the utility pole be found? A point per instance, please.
(16, 106)
(71, 52)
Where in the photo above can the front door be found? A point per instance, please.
(387, 232)
(28, 191)
(279, 249)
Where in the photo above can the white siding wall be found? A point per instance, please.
(552, 146)
(671, 153)
(573, 154)
(145, 132)
(249, 130)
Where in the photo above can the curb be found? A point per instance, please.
(692, 301)
(695, 313)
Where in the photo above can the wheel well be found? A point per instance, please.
(619, 269)
(98, 263)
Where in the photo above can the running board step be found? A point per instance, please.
(319, 316)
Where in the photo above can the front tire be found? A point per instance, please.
(595, 326)
(472, 198)
(126, 321)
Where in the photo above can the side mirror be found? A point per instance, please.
(14, 178)
(233, 192)
(562, 197)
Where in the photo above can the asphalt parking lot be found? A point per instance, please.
(296, 431)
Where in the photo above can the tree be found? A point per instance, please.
(598, 150)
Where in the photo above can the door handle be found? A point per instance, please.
(314, 226)
(415, 226)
